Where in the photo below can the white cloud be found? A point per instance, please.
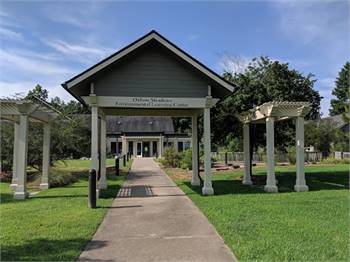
(313, 21)
(193, 37)
(85, 54)
(68, 19)
(21, 70)
(73, 49)
(233, 64)
(29, 64)
(13, 89)
(327, 82)
(9, 34)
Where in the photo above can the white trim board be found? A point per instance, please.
(150, 102)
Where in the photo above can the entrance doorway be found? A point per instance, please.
(145, 149)
(155, 148)
(139, 149)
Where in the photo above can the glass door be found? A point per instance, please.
(139, 149)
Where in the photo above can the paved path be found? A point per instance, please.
(153, 220)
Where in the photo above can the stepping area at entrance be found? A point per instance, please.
(153, 220)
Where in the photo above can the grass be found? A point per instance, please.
(55, 224)
(79, 165)
(287, 226)
(62, 173)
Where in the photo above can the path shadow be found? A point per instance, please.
(48, 250)
(120, 207)
(110, 192)
(136, 191)
(286, 181)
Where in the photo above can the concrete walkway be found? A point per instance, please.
(153, 220)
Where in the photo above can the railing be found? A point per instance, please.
(232, 157)
(341, 155)
(126, 157)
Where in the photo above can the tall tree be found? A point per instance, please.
(340, 104)
(70, 138)
(263, 80)
(38, 92)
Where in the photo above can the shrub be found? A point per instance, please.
(186, 159)
(170, 158)
(291, 151)
(335, 161)
(5, 176)
(59, 178)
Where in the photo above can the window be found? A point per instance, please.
(113, 147)
(155, 148)
(131, 147)
(180, 146)
(120, 147)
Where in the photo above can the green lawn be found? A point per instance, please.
(287, 226)
(79, 164)
(55, 224)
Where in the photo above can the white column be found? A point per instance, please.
(103, 147)
(161, 146)
(246, 148)
(270, 153)
(124, 146)
(195, 172)
(21, 168)
(135, 148)
(300, 184)
(94, 139)
(151, 148)
(207, 188)
(15, 153)
(46, 157)
(176, 145)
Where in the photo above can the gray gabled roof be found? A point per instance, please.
(151, 36)
(337, 120)
(137, 124)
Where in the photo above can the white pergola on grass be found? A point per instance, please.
(20, 112)
(269, 113)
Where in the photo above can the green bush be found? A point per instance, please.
(170, 158)
(186, 159)
(332, 160)
(60, 178)
(291, 151)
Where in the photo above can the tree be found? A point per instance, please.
(70, 108)
(182, 124)
(324, 136)
(340, 104)
(70, 136)
(263, 80)
(38, 92)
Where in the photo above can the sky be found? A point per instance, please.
(48, 42)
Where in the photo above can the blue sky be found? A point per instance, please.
(49, 42)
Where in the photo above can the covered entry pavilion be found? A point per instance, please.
(150, 77)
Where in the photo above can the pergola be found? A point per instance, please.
(20, 112)
(270, 113)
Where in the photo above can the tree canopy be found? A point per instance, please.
(70, 135)
(340, 104)
(262, 81)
